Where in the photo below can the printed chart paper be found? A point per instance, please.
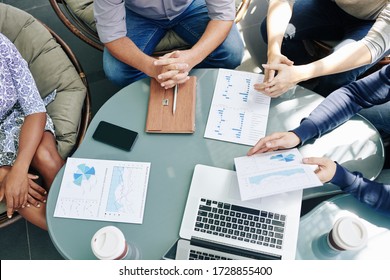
(103, 190)
(271, 173)
(238, 113)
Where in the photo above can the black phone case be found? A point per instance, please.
(115, 135)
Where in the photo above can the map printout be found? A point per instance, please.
(105, 190)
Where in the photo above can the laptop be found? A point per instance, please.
(218, 225)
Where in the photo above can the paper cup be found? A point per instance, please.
(109, 243)
(348, 233)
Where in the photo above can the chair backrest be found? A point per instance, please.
(53, 66)
(86, 114)
(77, 15)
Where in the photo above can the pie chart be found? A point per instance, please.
(82, 174)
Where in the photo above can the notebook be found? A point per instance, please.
(162, 118)
(217, 223)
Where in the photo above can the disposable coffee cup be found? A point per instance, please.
(347, 234)
(109, 243)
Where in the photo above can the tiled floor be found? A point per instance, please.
(23, 241)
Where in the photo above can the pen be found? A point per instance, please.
(175, 90)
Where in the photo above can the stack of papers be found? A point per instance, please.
(272, 173)
(105, 190)
(238, 113)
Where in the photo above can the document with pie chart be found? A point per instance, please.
(104, 190)
(272, 173)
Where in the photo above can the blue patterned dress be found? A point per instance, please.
(19, 97)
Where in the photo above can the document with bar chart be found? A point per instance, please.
(238, 113)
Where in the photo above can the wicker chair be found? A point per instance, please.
(77, 15)
(53, 66)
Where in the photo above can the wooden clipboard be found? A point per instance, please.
(160, 117)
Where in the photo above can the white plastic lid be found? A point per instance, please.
(349, 233)
(109, 243)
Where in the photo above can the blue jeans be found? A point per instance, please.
(190, 26)
(322, 20)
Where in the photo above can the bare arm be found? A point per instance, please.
(126, 51)
(278, 17)
(16, 182)
(215, 33)
(348, 57)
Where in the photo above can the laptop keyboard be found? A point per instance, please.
(240, 223)
(196, 255)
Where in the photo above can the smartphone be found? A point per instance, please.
(114, 135)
